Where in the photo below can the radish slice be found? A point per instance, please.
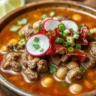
(70, 24)
(50, 24)
(43, 43)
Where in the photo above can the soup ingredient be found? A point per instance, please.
(50, 24)
(22, 21)
(72, 65)
(52, 14)
(70, 39)
(13, 41)
(12, 62)
(61, 72)
(92, 31)
(64, 84)
(22, 42)
(75, 88)
(37, 25)
(52, 69)
(70, 25)
(47, 82)
(74, 74)
(4, 49)
(34, 47)
(59, 40)
(76, 17)
(82, 69)
(30, 74)
(78, 46)
(42, 66)
(64, 58)
(61, 27)
(14, 28)
(55, 59)
(27, 30)
(43, 16)
(89, 63)
(93, 49)
(70, 49)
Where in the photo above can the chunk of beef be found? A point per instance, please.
(42, 66)
(12, 62)
(30, 74)
(27, 30)
(89, 63)
(74, 74)
(37, 24)
(64, 58)
(33, 63)
(55, 59)
(16, 67)
(14, 47)
(92, 49)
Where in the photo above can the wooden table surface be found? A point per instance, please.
(92, 3)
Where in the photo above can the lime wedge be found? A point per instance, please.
(9, 5)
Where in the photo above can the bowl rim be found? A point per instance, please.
(6, 83)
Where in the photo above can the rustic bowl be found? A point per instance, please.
(33, 6)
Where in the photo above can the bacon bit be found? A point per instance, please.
(81, 55)
(83, 33)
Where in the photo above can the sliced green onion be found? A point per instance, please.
(64, 84)
(22, 42)
(80, 26)
(22, 21)
(70, 49)
(21, 35)
(92, 31)
(67, 31)
(52, 14)
(78, 46)
(70, 39)
(61, 27)
(72, 44)
(64, 34)
(41, 50)
(52, 69)
(36, 46)
(66, 44)
(75, 36)
(82, 69)
(36, 39)
(14, 28)
(77, 32)
(43, 16)
(59, 40)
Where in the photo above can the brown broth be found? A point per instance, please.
(36, 87)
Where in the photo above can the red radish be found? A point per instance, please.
(70, 24)
(43, 44)
(50, 24)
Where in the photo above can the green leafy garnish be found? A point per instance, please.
(36, 46)
(43, 16)
(41, 50)
(22, 21)
(66, 44)
(14, 28)
(22, 42)
(52, 69)
(64, 84)
(21, 36)
(82, 69)
(52, 14)
(36, 39)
